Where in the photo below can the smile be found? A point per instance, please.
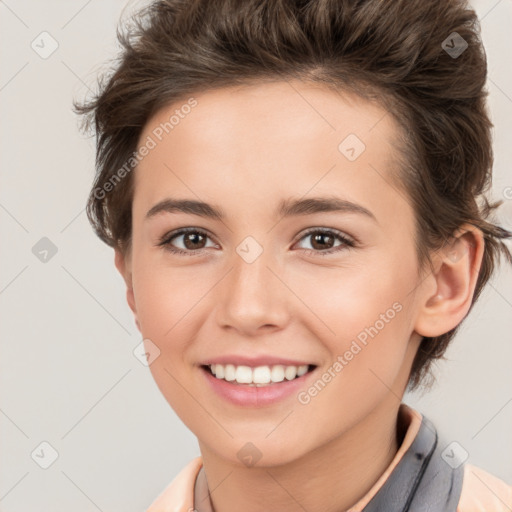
(258, 376)
(256, 386)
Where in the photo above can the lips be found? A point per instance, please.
(257, 381)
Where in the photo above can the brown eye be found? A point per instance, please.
(193, 240)
(323, 241)
(185, 241)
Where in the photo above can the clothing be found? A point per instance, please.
(426, 475)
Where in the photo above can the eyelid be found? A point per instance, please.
(321, 229)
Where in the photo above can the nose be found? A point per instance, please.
(253, 297)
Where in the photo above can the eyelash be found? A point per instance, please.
(347, 243)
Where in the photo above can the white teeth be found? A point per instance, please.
(219, 371)
(229, 372)
(243, 375)
(290, 372)
(302, 370)
(277, 373)
(259, 376)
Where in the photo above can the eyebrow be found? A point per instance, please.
(287, 208)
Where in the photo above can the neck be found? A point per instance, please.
(333, 477)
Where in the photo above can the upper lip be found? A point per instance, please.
(255, 361)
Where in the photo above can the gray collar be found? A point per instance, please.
(421, 482)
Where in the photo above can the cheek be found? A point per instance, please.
(165, 297)
(363, 317)
(165, 303)
(342, 301)
(366, 358)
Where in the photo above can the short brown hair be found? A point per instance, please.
(394, 52)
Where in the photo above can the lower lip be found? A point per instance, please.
(253, 396)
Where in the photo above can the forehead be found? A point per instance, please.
(258, 111)
(268, 141)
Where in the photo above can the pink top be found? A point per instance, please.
(481, 491)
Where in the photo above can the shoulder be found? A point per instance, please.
(178, 496)
(483, 492)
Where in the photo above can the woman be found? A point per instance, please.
(292, 191)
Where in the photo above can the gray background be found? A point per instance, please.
(68, 373)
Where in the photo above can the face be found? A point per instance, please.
(301, 260)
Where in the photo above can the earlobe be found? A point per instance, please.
(457, 267)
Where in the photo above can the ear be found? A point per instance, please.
(450, 288)
(122, 262)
